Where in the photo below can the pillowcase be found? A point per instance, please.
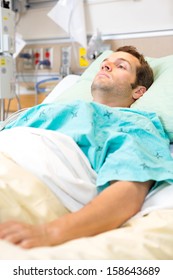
(158, 98)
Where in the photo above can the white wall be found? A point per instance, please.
(125, 16)
(110, 17)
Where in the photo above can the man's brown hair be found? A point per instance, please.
(144, 73)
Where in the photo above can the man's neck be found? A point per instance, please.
(114, 103)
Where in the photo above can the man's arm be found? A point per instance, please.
(109, 210)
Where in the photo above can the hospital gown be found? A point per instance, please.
(120, 143)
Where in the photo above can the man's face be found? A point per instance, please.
(116, 75)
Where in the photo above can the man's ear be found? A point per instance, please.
(138, 92)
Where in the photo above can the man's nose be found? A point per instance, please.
(106, 66)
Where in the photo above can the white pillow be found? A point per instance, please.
(63, 85)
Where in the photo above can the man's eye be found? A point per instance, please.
(121, 66)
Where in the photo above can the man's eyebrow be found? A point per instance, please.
(120, 59)
(125, 60)
(106, 59)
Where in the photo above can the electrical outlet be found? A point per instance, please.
(27, 56)
(37, 57)
(65, 61)
(47, 58)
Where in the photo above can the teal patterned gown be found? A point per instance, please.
(120, 143)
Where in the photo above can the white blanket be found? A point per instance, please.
(55, 159)
(60, 164)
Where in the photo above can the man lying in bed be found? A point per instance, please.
(127, 148)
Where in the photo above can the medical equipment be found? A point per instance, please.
(65, 61)
(7, 49)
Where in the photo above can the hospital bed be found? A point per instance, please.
(25, 197)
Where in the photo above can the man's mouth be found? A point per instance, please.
(103, 74)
